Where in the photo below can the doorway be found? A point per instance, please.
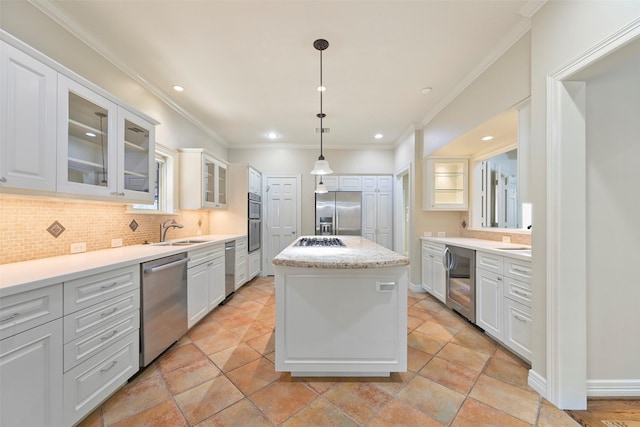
(282, 219)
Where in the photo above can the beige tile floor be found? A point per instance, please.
(222, 374)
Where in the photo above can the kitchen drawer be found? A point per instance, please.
(518, 269)
(91, 382)
(79, 350)
(254, 264)
(95, 318)
(27, 310)
(198, 256)
(489, 262)
(518, 290)
(86, 291)
(434, 248)
(518, 323)
(241, 244)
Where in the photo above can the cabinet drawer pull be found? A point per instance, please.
(109, 336)
(103, 370)
(9, 317)
(105, 314)
(520, 270)
(499, 278)
(110, 285)
(3, 179)
(522, 294)
(522, 319)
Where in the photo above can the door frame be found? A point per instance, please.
(265, 214)
(566, 289)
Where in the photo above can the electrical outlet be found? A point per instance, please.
(506, 239)
(199, 233)
(116, 243)
(427, 234)
(78, 247)
(440, 233)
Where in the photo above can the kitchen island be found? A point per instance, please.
(340, 310)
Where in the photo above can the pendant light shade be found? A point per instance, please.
(321, 166)
(321, 188)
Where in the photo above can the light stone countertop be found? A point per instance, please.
(491, 246)
(358, 253)
(28, 275)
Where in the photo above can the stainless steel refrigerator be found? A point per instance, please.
(339, 213)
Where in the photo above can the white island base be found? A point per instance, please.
(341, 322)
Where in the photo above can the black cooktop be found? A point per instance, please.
(319, 241)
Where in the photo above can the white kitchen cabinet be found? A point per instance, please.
(503, 300)
(489, 305)
(103, 149)
(377, 211)
(205, 281)
(331, 182)
(28, 93)
(203, 180)
(31, 373)
(242, 268)
(433, 273)
(349, 183)
(446, 183)
(101, 334)
(254, 264)
(255, 181)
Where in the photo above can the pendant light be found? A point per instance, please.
(321, 188)
(321, 166)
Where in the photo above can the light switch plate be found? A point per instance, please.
(506, 239)
(440, 233)
(427, 234)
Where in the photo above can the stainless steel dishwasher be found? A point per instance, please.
(229, 270)
(163, 305)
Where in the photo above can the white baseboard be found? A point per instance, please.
(613, 388)
(538, 383)
(415, 288)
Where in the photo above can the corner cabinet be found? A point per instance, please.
(446, 184)
(103, 149)
(203, 180)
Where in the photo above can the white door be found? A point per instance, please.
(282, 217)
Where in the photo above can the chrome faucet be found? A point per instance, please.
(170, 223)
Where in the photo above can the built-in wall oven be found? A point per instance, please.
(255, 221)
(460, 264)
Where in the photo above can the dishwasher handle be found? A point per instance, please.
(165, 266)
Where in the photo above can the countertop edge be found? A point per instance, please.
(39, 273)
(482, 245)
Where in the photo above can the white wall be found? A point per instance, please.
(613, 239)
(501, 86)
(25, 22)
(561, 31)
(289, 161)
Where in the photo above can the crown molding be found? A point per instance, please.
(531, 7)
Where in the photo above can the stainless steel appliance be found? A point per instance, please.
(319, 241)
(339, 213)
(229, 270)
(163, 305)
(255, 222)
(460, 264)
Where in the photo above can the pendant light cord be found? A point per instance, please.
(321, 114)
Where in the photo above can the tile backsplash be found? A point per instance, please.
(24, 222)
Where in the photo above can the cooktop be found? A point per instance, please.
(319, 241)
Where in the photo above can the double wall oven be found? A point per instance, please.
(255, 221)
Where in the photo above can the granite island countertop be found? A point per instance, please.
(358, 253)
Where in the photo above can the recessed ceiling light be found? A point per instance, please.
(91, 134)
(426, 90)
(322, 88)
(272, 135)
(178, 88)
(378, 136)
(487, 138)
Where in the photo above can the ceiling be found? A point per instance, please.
(250, 68)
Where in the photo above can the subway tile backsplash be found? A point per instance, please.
(24, 224)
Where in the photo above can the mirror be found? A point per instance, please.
(493, 181)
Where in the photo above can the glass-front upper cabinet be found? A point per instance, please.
(136, 157)
(103, 149)
(87, 153)
(446, 184)
(215, 183)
